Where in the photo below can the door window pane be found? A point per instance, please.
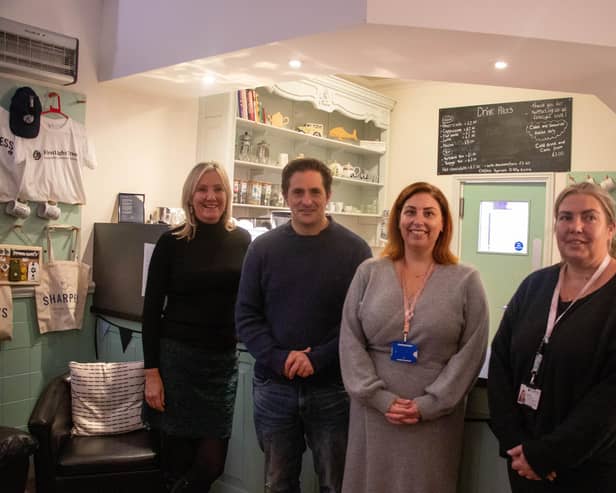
(503, 227)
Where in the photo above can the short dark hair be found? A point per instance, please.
(306, 164)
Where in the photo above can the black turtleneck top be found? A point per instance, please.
(191, 289)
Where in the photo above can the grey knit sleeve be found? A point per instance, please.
(358, 372)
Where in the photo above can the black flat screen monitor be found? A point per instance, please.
(119, 266)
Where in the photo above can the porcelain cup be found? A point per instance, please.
(350, 171)
(336, 168)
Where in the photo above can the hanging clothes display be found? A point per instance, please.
(25, 113)
(53, 162)
(11, 161)
(41, 157)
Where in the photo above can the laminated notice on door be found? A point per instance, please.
(20, 265)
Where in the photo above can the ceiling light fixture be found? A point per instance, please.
(500, 65)
(295, 64)
(208, 79)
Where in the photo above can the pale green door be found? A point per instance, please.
(493, 219)
(492, 222)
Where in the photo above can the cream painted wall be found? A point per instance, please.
(562, 20)
(414, 131)
(143, 144)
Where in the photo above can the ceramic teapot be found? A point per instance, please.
(278, 120)
(336, 168)
(350, 171)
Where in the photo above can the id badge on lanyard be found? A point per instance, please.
(530, 395)
(404, 351)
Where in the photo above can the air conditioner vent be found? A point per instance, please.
(38, 54)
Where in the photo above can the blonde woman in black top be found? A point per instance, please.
(189, 341)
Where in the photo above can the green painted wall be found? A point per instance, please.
(31, 359)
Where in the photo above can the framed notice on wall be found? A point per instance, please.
(529, 136)
(131, 208)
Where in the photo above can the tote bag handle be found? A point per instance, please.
(75, 236)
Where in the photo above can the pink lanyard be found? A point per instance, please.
(553, 320)
(409, 307)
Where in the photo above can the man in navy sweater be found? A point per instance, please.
(293, 285)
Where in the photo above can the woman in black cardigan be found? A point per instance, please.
(552, 377)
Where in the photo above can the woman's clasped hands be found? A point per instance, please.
(523, 468)
(403, 412)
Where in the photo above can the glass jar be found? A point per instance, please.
(263, 152)
(266, 193)
(245, 146)
(236, 191)
(274, 195)
(254, 192)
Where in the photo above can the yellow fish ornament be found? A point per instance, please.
(341, 134)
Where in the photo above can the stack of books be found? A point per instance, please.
(249, 107)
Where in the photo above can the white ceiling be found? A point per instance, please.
(397, 52)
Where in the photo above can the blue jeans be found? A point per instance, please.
(287, 416)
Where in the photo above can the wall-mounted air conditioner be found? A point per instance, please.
(35, 53)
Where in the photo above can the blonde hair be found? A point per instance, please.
(394, 248)
(189, 229)
(604, 198)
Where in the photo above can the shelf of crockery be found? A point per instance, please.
(273, 208)
(243, 124)
(355, 181)
(351, 181)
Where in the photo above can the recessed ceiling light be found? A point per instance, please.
(500, 65)
(208, 79)
(295, 63)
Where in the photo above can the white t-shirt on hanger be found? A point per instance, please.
(11, 160)
(54, 161)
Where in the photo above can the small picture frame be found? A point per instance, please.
(131, 208)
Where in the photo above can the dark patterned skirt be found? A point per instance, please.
(200, 387)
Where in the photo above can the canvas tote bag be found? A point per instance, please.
(61, 295)
(6, 313)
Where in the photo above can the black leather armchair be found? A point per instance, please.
(15, 449)
(101, 464)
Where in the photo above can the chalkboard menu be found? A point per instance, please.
(505, 137)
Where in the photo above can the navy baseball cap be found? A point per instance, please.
(25, 113)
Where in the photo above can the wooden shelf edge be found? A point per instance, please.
(323, 141)
(341, 179)
(355, 214)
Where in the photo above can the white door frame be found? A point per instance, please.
(546, 178)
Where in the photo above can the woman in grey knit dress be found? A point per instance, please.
(413, 339)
